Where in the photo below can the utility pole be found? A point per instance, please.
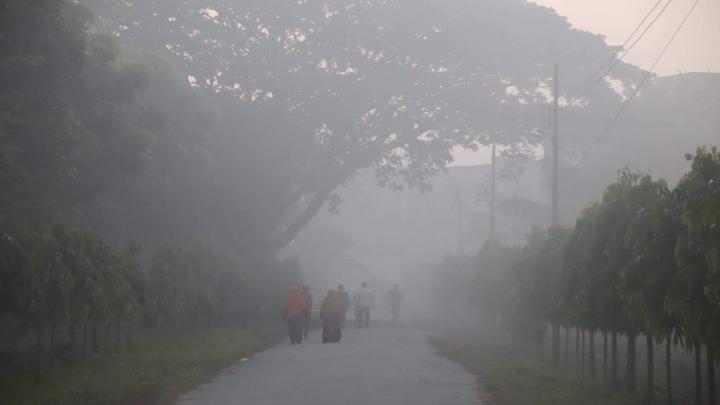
(556, 192)
(459, 221)
(492, 193)
(556, 148)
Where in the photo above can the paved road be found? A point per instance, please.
(377, 366)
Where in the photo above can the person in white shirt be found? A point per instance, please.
(364, 302)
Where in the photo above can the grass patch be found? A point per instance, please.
(510, 373)
(146, 374)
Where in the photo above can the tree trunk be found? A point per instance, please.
(541, 336)
(52, 336)
(303, 219)
(85, 337)
(614, 378)
(630, 370)
(567, 344)
(577, 346)
(117, 336)
(558, 328)
(95, 342)
(40, 337)
(555, 344)
(17, 338)
(668, 369)
(698, 375)
(605, 358)
(592, 354)
(582, 354)
(72, 334)
(650, 394)
(128, 341)
(711, 376)
(107, 336)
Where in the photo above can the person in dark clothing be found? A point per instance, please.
(331, 315)
(345, 300)
(307, 314)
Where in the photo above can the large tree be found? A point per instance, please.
(351, 84)
(42, 49)
(65, 130)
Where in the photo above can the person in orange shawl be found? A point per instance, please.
(295, 315)
(331, 313)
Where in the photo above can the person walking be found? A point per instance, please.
(307, 313)
(331, 313)
(345, 300)
(365, 302)
(395, 297)
(356, 307)
(294, 314)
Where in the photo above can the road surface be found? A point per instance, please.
(379, 366)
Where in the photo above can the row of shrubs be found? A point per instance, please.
(66, 290)
(643, 261)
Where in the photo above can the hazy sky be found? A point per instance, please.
(696, 49)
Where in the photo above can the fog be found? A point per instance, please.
(187, 183)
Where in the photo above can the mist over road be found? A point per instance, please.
(380, 365)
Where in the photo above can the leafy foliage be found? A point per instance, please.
(345, 85)
(643, 260)
(66, 278)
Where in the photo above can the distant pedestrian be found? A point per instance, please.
(307, 313)
(365, 302)
(395, 298)
(331, 315)
(294, 314)
(345, 300)
(356, 307)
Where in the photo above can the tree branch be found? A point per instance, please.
(301, 221)
(317, 202)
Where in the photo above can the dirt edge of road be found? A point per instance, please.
(171, 394)
(447, 348)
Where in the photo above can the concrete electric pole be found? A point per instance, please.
(493, 173)
(556, 149)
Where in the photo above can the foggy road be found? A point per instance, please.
(382, 365)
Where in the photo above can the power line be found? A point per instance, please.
(628, 50)
(622, 47)
(637, 88)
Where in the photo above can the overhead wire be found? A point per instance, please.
(640, 84)
(626, 51)
(614, 54)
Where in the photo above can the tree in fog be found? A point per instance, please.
(640, 261)
(646, 281)
(537, 279)
(346, 85)
(696, 300)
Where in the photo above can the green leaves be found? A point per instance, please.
(697, 247)
(69, 277)
(644, 259)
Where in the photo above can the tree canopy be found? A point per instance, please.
(352, 84)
